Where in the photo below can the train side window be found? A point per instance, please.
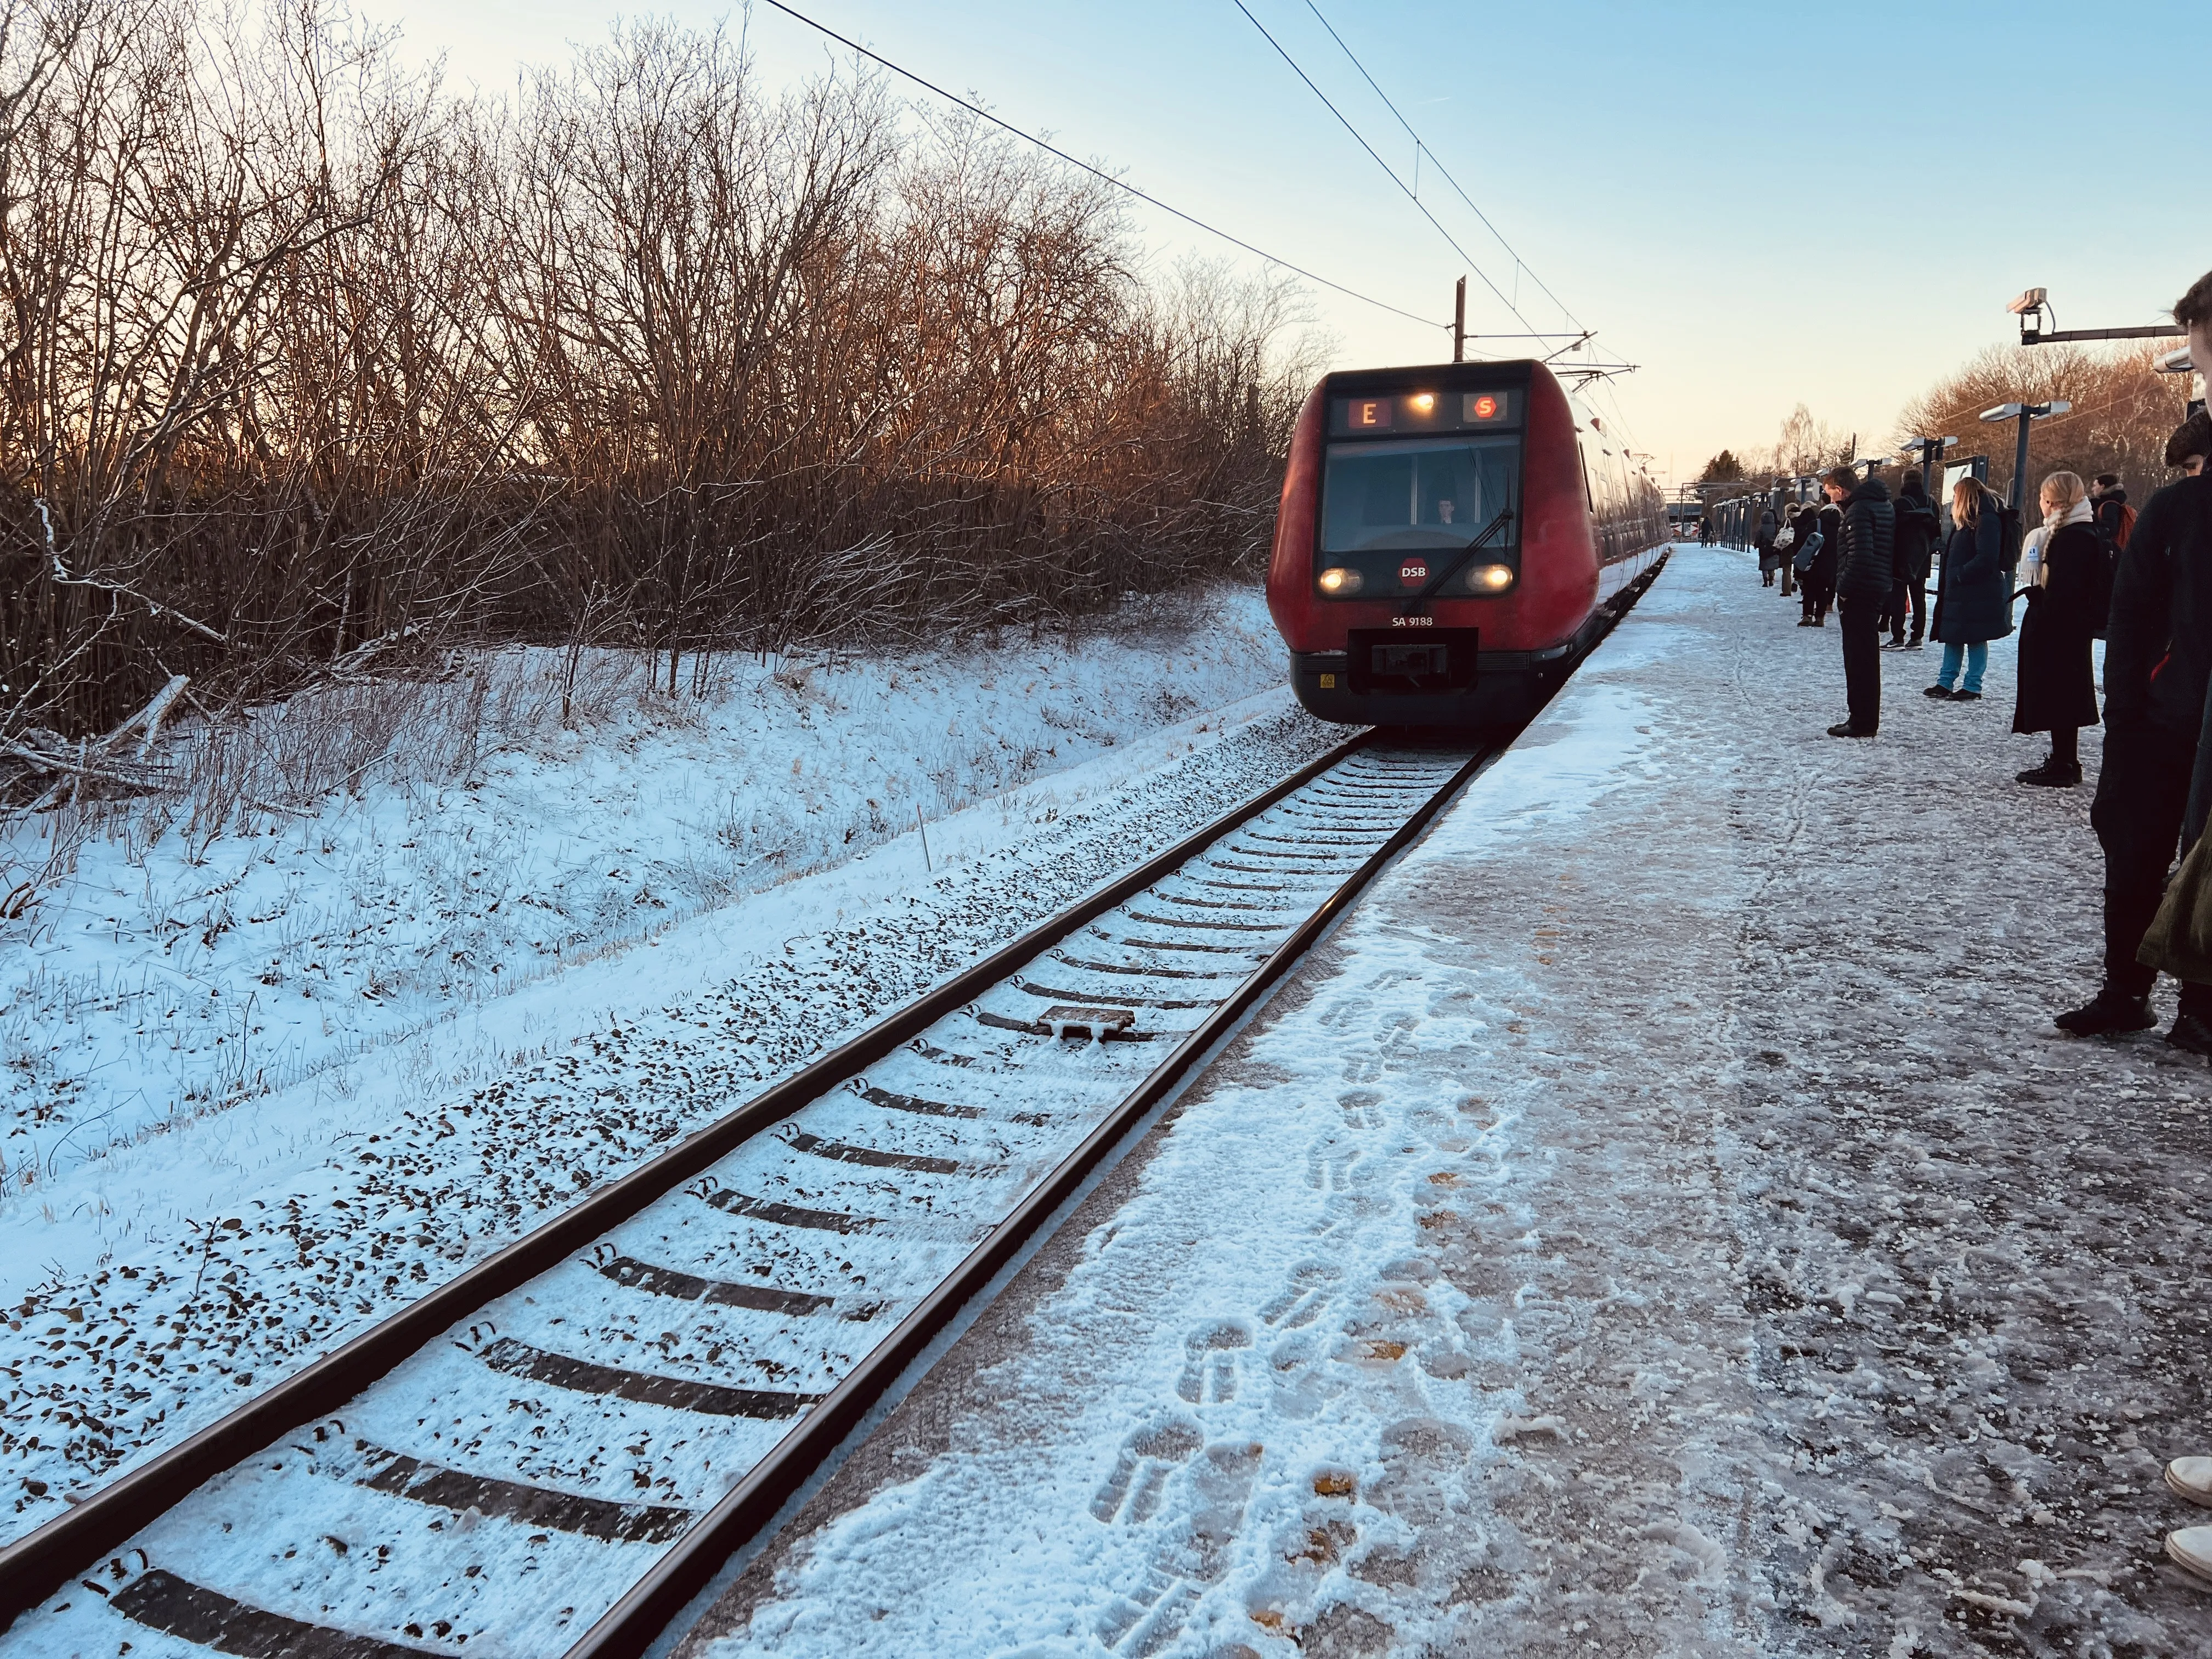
(1588, 494)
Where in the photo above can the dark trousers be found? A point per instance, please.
(1818, 594)
(1860, 620)
(1904, 596)
(1917, 591)
(2142, 790)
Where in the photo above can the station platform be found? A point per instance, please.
(1661, 1219)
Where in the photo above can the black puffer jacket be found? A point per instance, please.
(1917, 530)
(1867, 567)
(2158, 647)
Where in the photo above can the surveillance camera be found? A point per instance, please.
(2031, 300)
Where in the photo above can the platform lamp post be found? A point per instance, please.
(1929, 454)
(2031, 305)
(2023, 413)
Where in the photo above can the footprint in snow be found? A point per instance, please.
(1132, 1492)
(1192, 1555)
(1301, 1304)
(1210, 1373)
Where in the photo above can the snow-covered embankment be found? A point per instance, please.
(265, 1084)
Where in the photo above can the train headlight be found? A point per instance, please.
(1338, 580)
(1490, 578)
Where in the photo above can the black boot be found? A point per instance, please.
(2053, 773)
(2191, 1035)
(2108, 1013)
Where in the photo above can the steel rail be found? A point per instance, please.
(628, 1629)
(42, 1561)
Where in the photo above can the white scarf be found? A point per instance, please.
(2081, 513)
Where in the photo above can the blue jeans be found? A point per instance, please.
(1976, 657)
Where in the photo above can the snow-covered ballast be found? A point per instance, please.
(1449, 542)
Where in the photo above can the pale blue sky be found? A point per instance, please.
(1747, 200)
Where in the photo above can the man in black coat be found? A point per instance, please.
(1866, 572)
(1917, 530)
(2110, 501)
(2158, 659)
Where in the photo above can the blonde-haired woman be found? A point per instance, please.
(2057, 687)
(1971, 603)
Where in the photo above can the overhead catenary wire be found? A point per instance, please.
(1420, 145)
(1359, 138)
(1105, 177)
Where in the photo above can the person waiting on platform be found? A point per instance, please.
(1785, 546)
(1762, 540)
(2190, 1549)
(2190, 449)
(1970, 601)
(1918, 528)
(2116, 519)
(1866, 570)
(2158, 662)
(1818, 584)
(2057, 690)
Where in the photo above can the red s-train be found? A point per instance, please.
(1451, 541)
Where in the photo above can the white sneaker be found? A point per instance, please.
(2191, 1478)
(2190, 1549)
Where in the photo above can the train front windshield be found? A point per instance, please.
(1430, 494)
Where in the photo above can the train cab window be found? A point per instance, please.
(1420, 495)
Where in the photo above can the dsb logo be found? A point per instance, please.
(1413, 571)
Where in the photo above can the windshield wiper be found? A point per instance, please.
(1505, 517)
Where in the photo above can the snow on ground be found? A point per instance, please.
(177, 1232)
(1659, 1220)
(176, 972)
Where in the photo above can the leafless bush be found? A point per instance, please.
(311, 371)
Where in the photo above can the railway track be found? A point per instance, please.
(553, 1453)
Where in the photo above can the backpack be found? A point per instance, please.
(1807, 550)
(2008, 521)
(2112, 534)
